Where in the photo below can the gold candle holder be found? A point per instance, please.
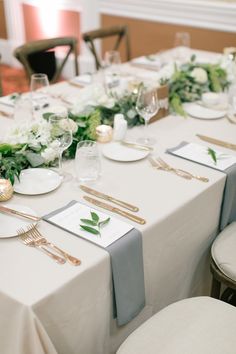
(6, 190)
(104, 133)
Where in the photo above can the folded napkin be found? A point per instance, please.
(124, 244)
(9, 100)
(82, 80)
(225, 163)
(150, 62)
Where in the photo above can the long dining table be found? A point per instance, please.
(46, 308)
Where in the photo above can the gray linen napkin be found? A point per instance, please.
(228, 206)
(126, 256)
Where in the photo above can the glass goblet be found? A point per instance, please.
(182, 44)
(38, 88)
(62, 137)
(147, 106)
(111, 67)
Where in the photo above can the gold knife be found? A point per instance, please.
(115, 210)
(217, 142)
(109, 198)
(136, 146)
(18, 213)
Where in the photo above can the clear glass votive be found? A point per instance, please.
(87, 161)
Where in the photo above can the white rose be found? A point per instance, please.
(69, 124)
(49, 154)
(200, 75)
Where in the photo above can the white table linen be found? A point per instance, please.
(47, 308)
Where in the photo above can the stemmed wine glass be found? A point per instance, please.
(147, 106)
(62, 136)
(38, 88)
(112, 63)
(182, 44)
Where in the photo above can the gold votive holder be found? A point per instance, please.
(104, 133)
(6, 190)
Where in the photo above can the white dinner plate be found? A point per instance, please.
(35, 181)
(116, 151)
(195, 110)
(11, 223)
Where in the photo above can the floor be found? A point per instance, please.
(13, 80)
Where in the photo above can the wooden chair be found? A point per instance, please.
(119, 32)
(223, 263)
(33, 54)
(198, 325)
(0, 78)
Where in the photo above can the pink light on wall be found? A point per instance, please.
(45, 21)
(49, 19)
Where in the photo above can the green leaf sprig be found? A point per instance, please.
(212, 154)
(94, 224)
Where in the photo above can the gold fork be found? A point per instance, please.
(164, 164)
(40, 240)
(27, 239)
(160, 166)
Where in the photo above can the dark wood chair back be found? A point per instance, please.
(1, 93)
(120, 32)
(36, 55)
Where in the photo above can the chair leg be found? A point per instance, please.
(215, 288)
(227, 295)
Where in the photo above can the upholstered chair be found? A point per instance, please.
(223, 263)
(200, 325)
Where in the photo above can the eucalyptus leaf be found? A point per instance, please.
(90, 229)
(34, 159)
(212, 153)
(89, 222)
(104, 222)
(94, 216)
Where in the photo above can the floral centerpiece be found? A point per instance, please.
(191, 80)
(31, 144)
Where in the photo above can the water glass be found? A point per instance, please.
(87, 161)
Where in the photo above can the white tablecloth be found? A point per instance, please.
(48, 308)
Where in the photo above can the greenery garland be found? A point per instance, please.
(187, 84)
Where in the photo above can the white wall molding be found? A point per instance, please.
(216, 15)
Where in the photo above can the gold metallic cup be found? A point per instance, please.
(6, 190)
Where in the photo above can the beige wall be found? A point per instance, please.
(149, 37)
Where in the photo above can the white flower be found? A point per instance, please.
(68, 124)
(200, 75)
(106, 101)
(131, 113)
(49, 154)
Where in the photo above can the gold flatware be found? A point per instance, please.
(6, 210)
(27, 239)
(231, 118)
(115, 210)
(217, 142)
(109, 198)
(6, 114)
(136, 146)
(200, 178)
(144, 66)
(40, 240)
(75, 84)
(159, 166)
